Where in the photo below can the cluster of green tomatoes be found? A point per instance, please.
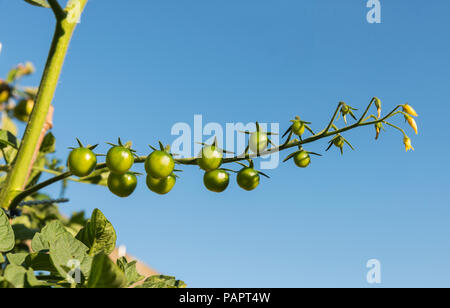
(160, 164)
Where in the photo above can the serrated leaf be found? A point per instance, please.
(7, 239)
(15, 275)
(130, 271)
(98, 234)
(162, 281)
(105, 274)
(41, 3)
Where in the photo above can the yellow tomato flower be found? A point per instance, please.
(409, 110)
(412, 123)
(407, 143)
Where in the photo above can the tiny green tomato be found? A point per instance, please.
(159, 164)
(248, 178)
(339, 142)
(161, 186)
(258, 142)
(302, 159)
(298, 128)
(122, 185)
(210, 158)
(216, 180)
(81, 162)
(119, 159)
(23, 110)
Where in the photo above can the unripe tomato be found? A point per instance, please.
(23, 110)
(258, 142)
(298, 128)
(339, 142)
(159, 164)
(302, 159)
(5, 91)
(119, 159)
(216, 180)
(161, 186)
(345, 109)
(210, 158)
(248, 178)
(122, 185)
(81, 162)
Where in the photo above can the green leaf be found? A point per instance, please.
(52, 231)
(2, 258)
(66, 250)
(98, 234)
(17, 258)
(22, 228)
(5, 284)
(105, 274)
(130, 271)
(41, 3)
(15, 275)
(7, 139)
(8, 124)
(48, 144)
(7, 239)
(162, 281)
(33, 282)
(40, 262)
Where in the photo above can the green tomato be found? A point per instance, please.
(298, 128)
(23, 110)
(5, 91)
(81, 162)
(258, 142)
(339, 142)
(122, 185)
(210, 158)
(345, 109)
(248, 179)
(216, 180)
(161, 186)
(119, 159)
(302, 159)
(159, 164)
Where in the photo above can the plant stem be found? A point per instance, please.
(193, 160)
(16, 178)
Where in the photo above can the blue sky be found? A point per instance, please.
(135, 70)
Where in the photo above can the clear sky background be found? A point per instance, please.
(137, 67)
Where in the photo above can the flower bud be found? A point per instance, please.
(412, 123)
(407, 143)
(378, 105)
(378, 128)
(409, 110)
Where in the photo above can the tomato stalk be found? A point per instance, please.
(66, 21)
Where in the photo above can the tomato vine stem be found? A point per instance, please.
(193, 160)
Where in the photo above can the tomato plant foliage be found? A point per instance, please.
(40, 247)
